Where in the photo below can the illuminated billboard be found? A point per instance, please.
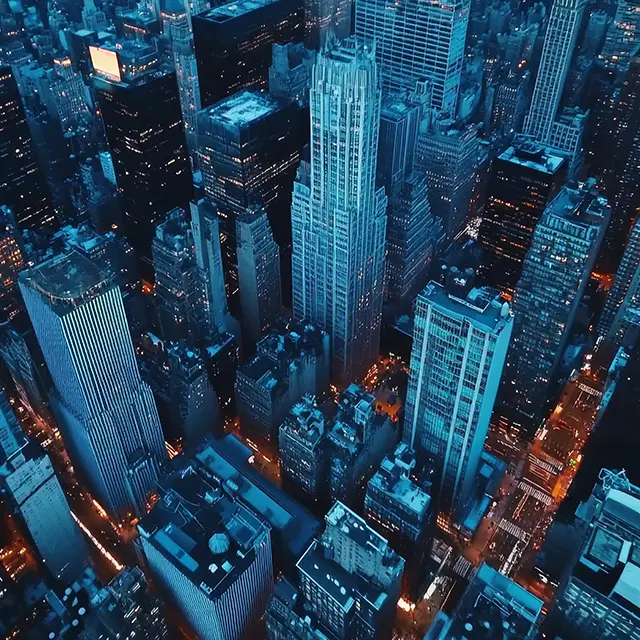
(105, 62)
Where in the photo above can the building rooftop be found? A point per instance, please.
(533, 155)
(305, 421)
(581, 206)
(483, 307)
(207, 535)
(232, 10)
(66, 278)
(242, 108)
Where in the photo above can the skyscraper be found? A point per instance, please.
(324, 17)
(449, 153)
(211, 554)
(559, 44)
(417, 41)
(143, 123)
(233, 44)
(32, 490)
(22, 185)
(205, 227)
(11, 263)
(459, 348)
(623, 35)
(177, 291)
(554, 276)
(258, 275)
(524, 179)
(337, 214)
(249, 147)
(622, 306)
(107, 415)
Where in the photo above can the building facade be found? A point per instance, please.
(338, 215)
(107, 415)
(459, 349)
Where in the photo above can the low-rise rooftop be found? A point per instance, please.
(231, 10)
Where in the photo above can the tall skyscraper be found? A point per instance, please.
(11, 263)
(459, 349)
(107, 415)
(249, 147)
(233, 44)
(22, 185)
(143, 123)
(409, 221)
(337, 214)
(524, 179)
(449, 153)
(417, 41)
(205, 227)
(623, 36)
(211, 554)
(559, 44)
(560, 41)
(258, 275)
(622, 306)
(324, 17)
(350, 578)
(31, 489)
(554, 277)
(177, 292)
(620, 153)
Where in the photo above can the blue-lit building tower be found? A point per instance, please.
(338, 215)
(107, 415)
(460, 345)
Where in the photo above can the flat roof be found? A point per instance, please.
(243, 107)
(65, 277)
(234, 9)
(533, 156)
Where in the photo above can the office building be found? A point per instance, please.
(560, 41)
(233, 44)
(622, 306)
(292, 526)
(448, 405)
(11, 263)
(417, 41)
(338, 217)
(177, 291)
(509, 103)
(126, 608)
(137, 95)
(620, 153)
(258, 275)
(187, 404)
(323, 18)
(107, 415)
(398, 506)
(205, 228)
(22, 185)
(491, 606)
(350, 578)
(249, 147)
(356, 443)
(290, 362)
(599, 596)
(449, 153)
(32, 491)
(555, 274)
(523, 180)
(210, 554)
(623, 35)
(409, 221)
(302, 451)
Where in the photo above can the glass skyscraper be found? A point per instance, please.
(107, 415)
(560, 41)
(459, 348)
(416, 41)
(337, 214)
(554, 277)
